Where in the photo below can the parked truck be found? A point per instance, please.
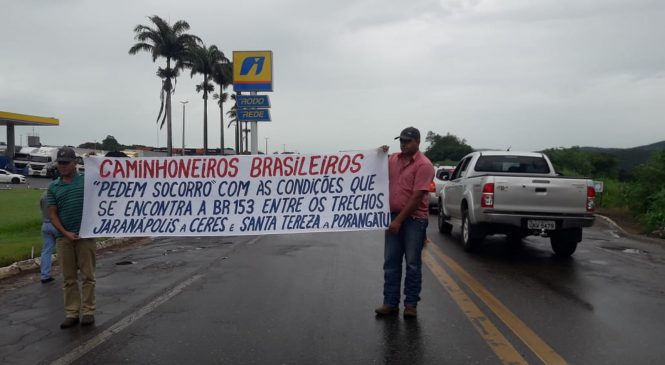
(42, 161)
(517, 194)
(22, 158)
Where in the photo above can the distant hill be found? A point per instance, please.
(628, 158)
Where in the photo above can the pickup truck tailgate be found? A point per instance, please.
(540, 194)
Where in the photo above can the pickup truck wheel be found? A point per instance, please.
(563, 244)
(471, 238)
(444, 226)
(15, 180)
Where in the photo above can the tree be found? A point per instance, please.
(604, 165)
(570, 161)
(648, 182)
(446, 149)
(172, 43)
(233, 118)
(90, 145)
(223, 76)
(111, 144)
(576, 162)
(205, 61)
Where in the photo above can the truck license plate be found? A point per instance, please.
(535, 224)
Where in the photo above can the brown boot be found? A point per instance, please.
(410, 311)
(87, 320)
(69, 322)
(386, 310)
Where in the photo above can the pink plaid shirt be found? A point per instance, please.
(405, 177)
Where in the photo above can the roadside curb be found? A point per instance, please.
(637, 237)
(33, 264)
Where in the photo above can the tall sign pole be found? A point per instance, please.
(255, 134)
(238, 128)
(252, 71)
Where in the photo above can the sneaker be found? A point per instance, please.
(47, 280)
(87, 319)
(386, 310)
(69, 322)
(410, 311)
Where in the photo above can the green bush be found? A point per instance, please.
(654, 218)
(575, 162)
(648, 181)
(615, 194)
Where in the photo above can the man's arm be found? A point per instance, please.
(55, 221)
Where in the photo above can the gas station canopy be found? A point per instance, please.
(7, 118)
(12, 120)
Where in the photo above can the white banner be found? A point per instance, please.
(235, 195)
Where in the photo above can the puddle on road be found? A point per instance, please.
(633, 251)
(126, 263)
(597, 239)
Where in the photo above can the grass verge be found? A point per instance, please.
(20, 225)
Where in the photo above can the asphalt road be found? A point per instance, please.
(309, 299)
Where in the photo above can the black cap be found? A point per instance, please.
(409, 133)
(66, 154)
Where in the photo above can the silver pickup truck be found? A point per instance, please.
(517, 194)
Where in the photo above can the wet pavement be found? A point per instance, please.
(309, 299)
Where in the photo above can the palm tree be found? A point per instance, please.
(172, 43)
(233, 118)
(205, 61)
(221, 99)
(223, 76)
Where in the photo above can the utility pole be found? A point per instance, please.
(183, 125)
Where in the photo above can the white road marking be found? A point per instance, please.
(123, 323)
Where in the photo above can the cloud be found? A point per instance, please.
(350, 74)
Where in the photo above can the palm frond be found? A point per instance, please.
(180, 26)
(141, 47)
(161, 106)
(221, 99)
(140, 28)
(161, 24)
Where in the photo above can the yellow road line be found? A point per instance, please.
(521, 330)
(496, 341)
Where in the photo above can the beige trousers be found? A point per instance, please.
(75, 256)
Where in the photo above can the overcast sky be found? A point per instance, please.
(351, 74)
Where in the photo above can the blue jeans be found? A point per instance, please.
(48, 238)
(407, 243)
